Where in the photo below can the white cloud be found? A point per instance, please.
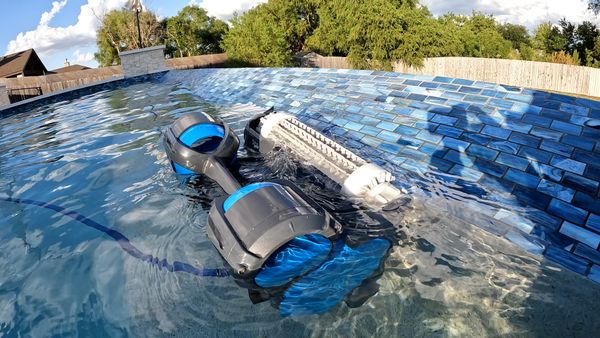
(529, 13)
(225, 9)
(85, 57)
(48, 40)
(47, 16)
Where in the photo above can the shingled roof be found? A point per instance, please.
(25, 63)
(71, 68)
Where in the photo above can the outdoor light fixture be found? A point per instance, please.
(136, 5)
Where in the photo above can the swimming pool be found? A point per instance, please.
(101, 156)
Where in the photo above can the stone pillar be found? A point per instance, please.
(4, 101)
(143, 61)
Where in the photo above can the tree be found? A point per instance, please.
(479, 35)
(516, 34)
(193, 32)
(586, 35)
(270, 33)
(118, 33)
(549, 39)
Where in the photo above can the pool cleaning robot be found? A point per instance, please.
(275, 238)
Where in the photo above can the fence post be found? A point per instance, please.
(4, 100)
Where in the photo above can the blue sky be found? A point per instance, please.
(65, 29)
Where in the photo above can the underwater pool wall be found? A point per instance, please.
(495, 140)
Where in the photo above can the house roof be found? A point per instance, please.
(15, 64)
(71, 68)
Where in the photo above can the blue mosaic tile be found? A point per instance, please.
(587, 202)
(483, 152)
(565, 127)
(519, 97)
(568, 164)
(501, 103)
(580, 183)
(459, 158)
(517, 126)
(414, 154)
(511, 114)
(536, 154)
(505, 146)
(556, 147)
(443, 79)
(588, 103)
(454, 96)
(554, 114)
(556, 190)
(371, 141)
(513, 161)
(567, 211)
(588, 253)
(573, 109)
(427, 136)
(522, 178)
(525, 139)
(466, 173)
(587, 157)
(475, 138)
(463, 82)
(389, 126)
(594, 273)
(389, 136)
(449, 131)
(353, 126)
(420, 114)
(469, 90)
(490, 167)
(537, 120)
(455, 144)
(405, 130)
(390, 148)
(580, 234)
(567, 259)
(593, 222)
(579, 142)
(546, 133)
(540, 217)
(475, 99)
(545, 171)
(443, 119)
(496, 132)
(432, 149)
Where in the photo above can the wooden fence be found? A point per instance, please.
(200, 61)
(55, 82)
(529, 74)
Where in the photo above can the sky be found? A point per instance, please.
(66, 29)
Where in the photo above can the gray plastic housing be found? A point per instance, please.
(258, 224)
(213, 164)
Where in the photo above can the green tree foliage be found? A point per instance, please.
(549, 38)
(516, 34)
(370, 33)
(270, 33)
(118, 32)
(193, 32)
(479, 35)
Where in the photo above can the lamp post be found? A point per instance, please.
(136, 5)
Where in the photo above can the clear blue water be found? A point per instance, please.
(101, 156)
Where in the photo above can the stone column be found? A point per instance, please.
(143, 61)
(3, 95)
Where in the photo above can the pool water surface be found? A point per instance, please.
(101, 156)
